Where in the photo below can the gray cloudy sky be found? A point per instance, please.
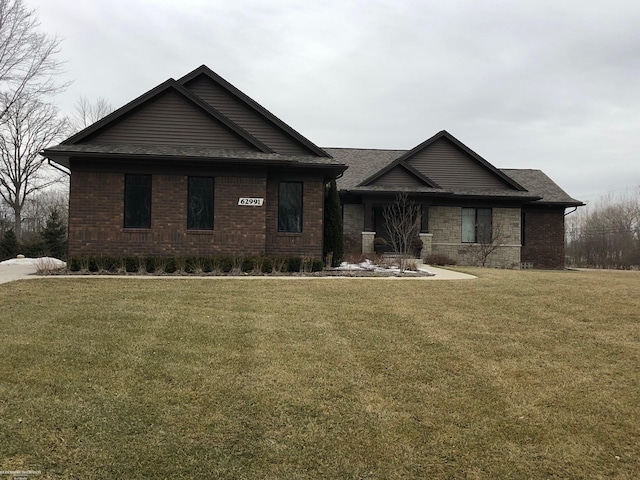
(552, 85)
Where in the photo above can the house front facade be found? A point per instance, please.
(195, 167)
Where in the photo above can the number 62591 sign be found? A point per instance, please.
(251, 202)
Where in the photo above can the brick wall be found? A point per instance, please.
(309, 241)
(544, 237)
(96, 218)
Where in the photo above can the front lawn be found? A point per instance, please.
(513, 375)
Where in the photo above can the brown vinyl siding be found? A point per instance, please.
(171, 120)
(451, 168)
(398, 177)
(242, 115)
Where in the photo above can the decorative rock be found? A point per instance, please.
(20, 255)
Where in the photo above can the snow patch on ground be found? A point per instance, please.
(370, 267)
(42, 262)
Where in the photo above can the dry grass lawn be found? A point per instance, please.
(514, 375)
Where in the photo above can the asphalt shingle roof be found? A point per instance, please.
(363, 163)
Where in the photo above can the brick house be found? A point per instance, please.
(465, 203)
(196, 167)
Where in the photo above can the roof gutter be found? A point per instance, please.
(59, 167)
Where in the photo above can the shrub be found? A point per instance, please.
(248, 264)
(171, 265)
(267, 265)
(225, 264)
(9, 245)
(54, 235)
(207, 264)
(93, 264)
(74, 264)
(131, 264)
(438, 259)
(149, 264)
(317, 265)
(294, 264)
(333, 229)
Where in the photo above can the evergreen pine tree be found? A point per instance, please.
(333, 233)
(9, 245)
(54, 235)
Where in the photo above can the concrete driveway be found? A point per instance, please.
(9, 273)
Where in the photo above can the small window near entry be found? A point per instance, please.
(200, 203)
(476, 225)
(290, 207)
(137, 201)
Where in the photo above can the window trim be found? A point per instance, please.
(126, 201)
(213, 190)
(301, 206)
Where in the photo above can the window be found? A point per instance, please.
(200, 203)
(476, 225)
(137, 201)
(290, 207)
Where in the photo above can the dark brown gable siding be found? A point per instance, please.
(450, 168)
(245, 117)
(398, 177)
(171, 120)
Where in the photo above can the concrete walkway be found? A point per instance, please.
(10, 273)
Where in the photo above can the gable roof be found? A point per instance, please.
(149, 97)
(396, 164)
(536, 187)
(253, 106)
(473, 156)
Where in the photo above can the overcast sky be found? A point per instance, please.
(550, 85)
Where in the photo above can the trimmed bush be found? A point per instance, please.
(131, 264)
(294, 264)
(437, 259)
(225, 264)
(150, 264)
(195, 265)
(74, 264)
(267, 265)
(248, 264)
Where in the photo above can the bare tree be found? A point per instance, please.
(28, 63)
(87, 113)
(29, 126)
(607, 234)
(402, 223)
(489, 239)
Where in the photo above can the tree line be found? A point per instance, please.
(30, 69)
(606, 234)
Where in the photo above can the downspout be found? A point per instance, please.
(569, 213)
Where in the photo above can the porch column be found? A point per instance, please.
(367, 242)
(427, 240)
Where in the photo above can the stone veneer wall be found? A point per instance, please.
(446, 225)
